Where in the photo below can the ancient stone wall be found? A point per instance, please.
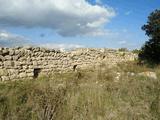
(18, 63)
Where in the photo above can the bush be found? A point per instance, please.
(136, 51)
(150, 52)
(123, 50)
(30, 101)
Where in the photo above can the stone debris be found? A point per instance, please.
(21, 62)
(148, 74)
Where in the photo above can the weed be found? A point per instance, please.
(92, 94)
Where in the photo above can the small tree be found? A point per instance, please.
(150, 52)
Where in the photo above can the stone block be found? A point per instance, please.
(3, 72)
(13, 71)
(11, 52)
(8, 57)
(2, 58)
(30, 74)
(17, 52)
(5, 52)
(29, 70)
(23, 75)
(15, 58)
(35, 63)
(25, 67)
(9, 63)
(148, 74)
(5, 78)
(14, 76)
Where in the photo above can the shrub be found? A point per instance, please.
(123, 49)
(136, 51)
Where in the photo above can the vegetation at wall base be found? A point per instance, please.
(100, 93)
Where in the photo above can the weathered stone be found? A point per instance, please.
(30, 74)
(36, 49)
(4, 78)
(5, 52)
(3, 72)
(12, 77)
(15, 57)
(1, 48)
(12, 71)
(11, 52)
(28, 47)
(9, 63)
(22, 53)
(21, 62)
(35, 63)
(148, 74)
(2, 58)
(29, 70)
(16, 63)
(17, 52)
(25, 67)
(8, 57)
(22, 75)
(0, 52)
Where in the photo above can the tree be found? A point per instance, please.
(150, 51)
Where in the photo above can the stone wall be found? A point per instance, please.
(18, 63)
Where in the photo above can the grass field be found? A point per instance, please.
(100, 93)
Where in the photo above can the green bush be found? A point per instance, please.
(136, 51)
(123, 49)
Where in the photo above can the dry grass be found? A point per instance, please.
(94, 94)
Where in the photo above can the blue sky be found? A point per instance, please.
(111, 24)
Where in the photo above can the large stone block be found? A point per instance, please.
(2, 58)
(13, 71)
(29, 70)
(17, 52)
(8, 57)
(30, 74)
(16, 57)
(13, 77)
(9, 63)
(11, 52)
(25, 67)
(5, 78)
(5, 52)
(35, 63)
(23, 75)
(3, 72)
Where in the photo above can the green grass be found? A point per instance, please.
(100, 93)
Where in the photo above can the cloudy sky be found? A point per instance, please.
(74, 23)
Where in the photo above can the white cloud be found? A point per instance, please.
(62, 47)
(66, 17)
(8, 39)
(4, 35)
